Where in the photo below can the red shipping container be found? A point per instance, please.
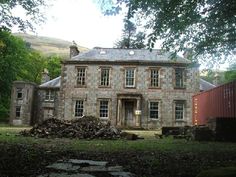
(217, 102)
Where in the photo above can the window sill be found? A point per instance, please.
(49, 101)
(80, 86)
(153, 119)
(78, 117)
(158, 88)
(180, 88)
(181, 120)
(103, 118)
(101, 86)
(130, 87)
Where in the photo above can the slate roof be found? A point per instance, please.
(54, 83)
(204, 85)
(111, 54)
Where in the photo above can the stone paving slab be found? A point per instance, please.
(90, 162)
(83, 168)
(122, 174)
(66, 175)
(94, 169)
(115, 168)
(64, 166)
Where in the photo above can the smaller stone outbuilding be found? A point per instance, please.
(22, 103)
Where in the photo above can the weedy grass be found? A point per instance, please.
(149, 143)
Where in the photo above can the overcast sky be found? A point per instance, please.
(82, 21)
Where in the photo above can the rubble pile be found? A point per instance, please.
(87, 127)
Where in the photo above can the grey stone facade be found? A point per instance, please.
(118, 95)
(80, 90)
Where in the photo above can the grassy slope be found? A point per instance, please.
(47, 45)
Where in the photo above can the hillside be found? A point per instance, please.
(49, 46)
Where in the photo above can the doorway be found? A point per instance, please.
(129, 113)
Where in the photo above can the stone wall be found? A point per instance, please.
(24, 103)
(166, 94)
(42, 107)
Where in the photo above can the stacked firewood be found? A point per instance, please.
(87, 127)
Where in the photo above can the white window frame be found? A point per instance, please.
(181, 112)
(81, 76)
(78, 107)
(155, 79)
(18, 111)
(181, 81)
(134, 77)
(158, 109)
(105, 81)
(49, 95)
(107, 109)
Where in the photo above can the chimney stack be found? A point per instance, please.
(45, 76)
(74, 50)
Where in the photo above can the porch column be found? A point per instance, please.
(138, 116)
(119, 113)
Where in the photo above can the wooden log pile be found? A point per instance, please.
(87, 127)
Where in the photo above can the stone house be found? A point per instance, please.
(128, 87)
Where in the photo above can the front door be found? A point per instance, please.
(129, 113)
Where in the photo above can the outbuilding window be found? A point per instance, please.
(50, 95)
(18, 111)
(19, 93)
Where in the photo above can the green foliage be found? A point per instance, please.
(230, 75)
(18, 62)
(32, 9)
(53, 64)
(13, 58)
(211, 75)
(206, 27)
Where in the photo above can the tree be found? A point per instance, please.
(19, 62)
(230, 75)
(206, 27)
(32, 9)
(53, 64)
(130, 38)
(13, 58)
(213, 76)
